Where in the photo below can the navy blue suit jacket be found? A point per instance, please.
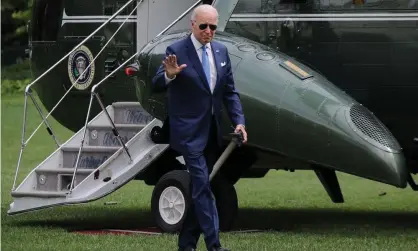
(190, 99)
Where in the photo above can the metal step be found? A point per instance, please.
(91, 156)
(39, 194)
(130, 113)
(102, 135)
(58, 179)
(63, 170)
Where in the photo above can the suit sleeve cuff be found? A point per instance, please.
(168, 80)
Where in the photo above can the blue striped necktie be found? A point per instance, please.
(205, 63)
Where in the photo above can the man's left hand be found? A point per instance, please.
(244, 133)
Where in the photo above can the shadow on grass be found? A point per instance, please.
(85, 218)
(320, 220)
(284, 220)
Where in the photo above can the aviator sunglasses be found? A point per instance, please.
(211, 26)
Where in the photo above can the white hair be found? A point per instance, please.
(203, 8)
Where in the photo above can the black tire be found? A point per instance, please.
(226, 202)
(178, 181)
(224, 192)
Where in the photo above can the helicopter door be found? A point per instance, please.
(155, 16)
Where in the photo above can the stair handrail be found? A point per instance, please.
(104, 109)
(28, 92)
(93, 93)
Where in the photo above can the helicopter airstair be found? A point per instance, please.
(103, 166)
(109, 151)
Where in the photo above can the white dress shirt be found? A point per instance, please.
(198, 47)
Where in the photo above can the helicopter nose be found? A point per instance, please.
(381, 154)
(320, 123)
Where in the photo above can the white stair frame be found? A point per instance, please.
(118, 167)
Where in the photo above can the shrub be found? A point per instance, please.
(17, 71)
(15, 78)
(14, 86)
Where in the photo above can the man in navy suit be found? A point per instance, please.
(197, 75)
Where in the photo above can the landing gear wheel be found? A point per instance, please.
(226, 202)
(170, 200)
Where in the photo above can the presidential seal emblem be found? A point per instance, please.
(77, 64)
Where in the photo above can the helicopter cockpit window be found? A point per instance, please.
(46, 20)
(271, 6)
(262, 20)
(368, 4)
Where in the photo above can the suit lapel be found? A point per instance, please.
(216, 60)
(194, 59)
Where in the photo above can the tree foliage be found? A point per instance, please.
(14, 17)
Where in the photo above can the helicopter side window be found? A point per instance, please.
(271, 6)
(262, 20)
(46, 20)
(369, 4)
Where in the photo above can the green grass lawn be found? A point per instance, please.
(292, 208)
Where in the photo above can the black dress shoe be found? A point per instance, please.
(187, 249)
